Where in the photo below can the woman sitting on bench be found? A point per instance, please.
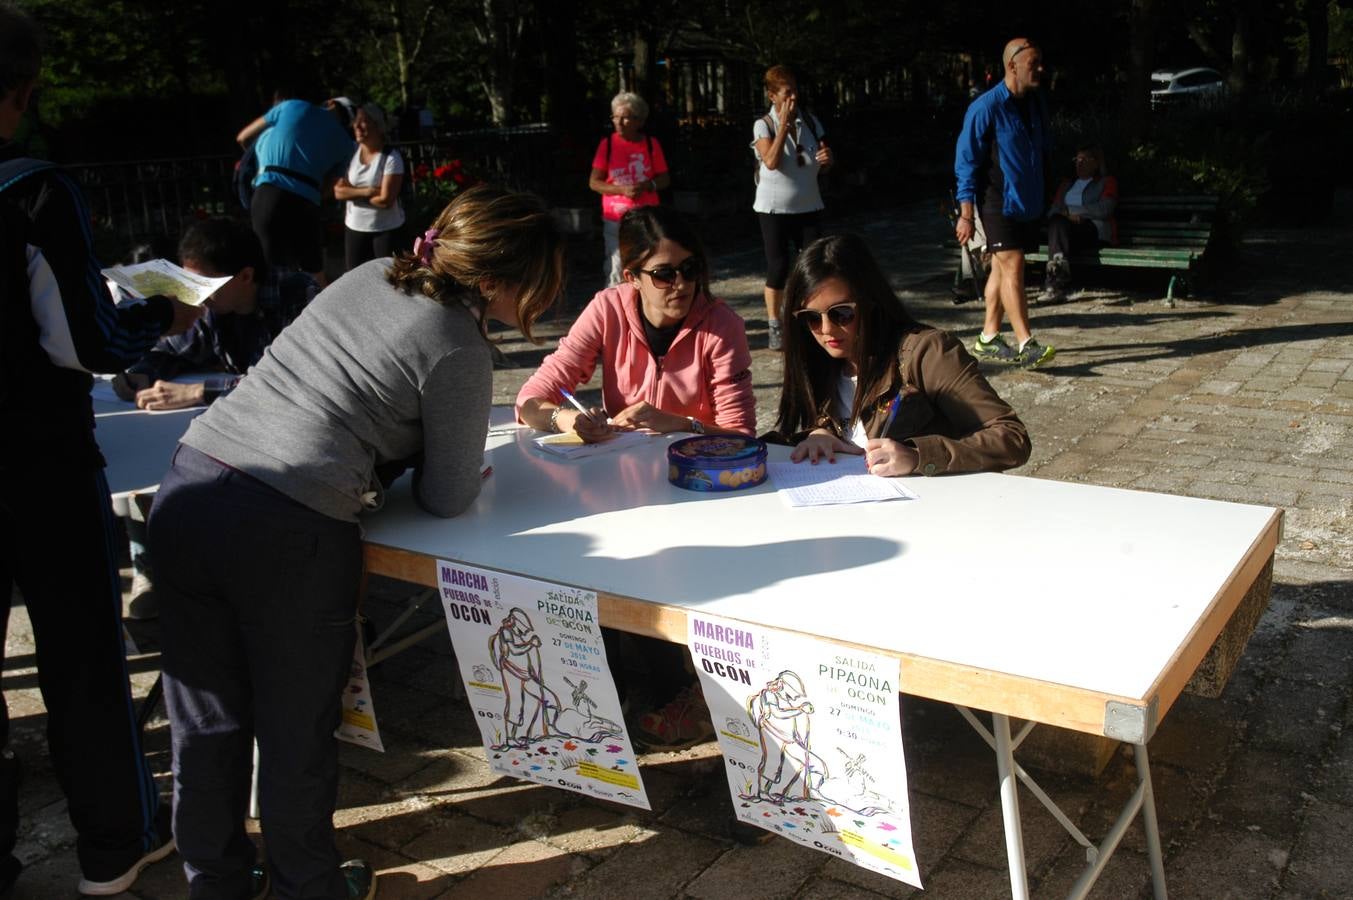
(1080, 219)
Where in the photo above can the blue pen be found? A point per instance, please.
(892, 414)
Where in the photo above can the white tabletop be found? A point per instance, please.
(136, 444)
(1089, 587)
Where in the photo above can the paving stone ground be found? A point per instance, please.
(1244, 393)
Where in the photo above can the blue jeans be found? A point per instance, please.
(258, 602)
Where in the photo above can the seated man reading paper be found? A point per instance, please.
(242, 319)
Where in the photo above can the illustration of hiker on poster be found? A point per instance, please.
(358, 725)
(812, 740)
(531, 655)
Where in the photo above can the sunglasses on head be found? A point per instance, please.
(841, 315)
(665, 276)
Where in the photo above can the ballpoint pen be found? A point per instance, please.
(574, 400)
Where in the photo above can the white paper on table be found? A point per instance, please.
(358, 725)
(811, 736)
(160, 276)
(570, 446)
(534, 665)
(844, 481)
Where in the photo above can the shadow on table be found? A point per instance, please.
(741, 569)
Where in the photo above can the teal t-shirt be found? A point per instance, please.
(304, 138)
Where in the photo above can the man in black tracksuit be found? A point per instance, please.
(58, 323)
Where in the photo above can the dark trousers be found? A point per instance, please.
(1071, 238)
(258, 600)
(60, 550)
(363, 246)
(778, 232)
(288, 227)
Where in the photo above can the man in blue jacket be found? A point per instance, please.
(57, 324)
(999, 163)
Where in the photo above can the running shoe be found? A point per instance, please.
(1035, 354)
(995, 350)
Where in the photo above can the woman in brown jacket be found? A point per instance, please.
(863, 377)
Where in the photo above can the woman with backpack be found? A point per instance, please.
(628, 170)
(791, 152)
(374, 219)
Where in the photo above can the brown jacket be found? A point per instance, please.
(948, 411)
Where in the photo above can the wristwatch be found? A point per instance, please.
(696, 427)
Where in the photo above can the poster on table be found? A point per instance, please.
(534, 666)
(358, 725)
(812, 740)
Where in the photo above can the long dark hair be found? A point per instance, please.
(881, 320)
(644, 226)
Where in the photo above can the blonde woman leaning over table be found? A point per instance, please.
(373, 221)
(257, 527)
(863, 377)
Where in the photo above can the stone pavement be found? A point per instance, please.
(1244, 394)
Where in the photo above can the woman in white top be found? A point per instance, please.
(792, 151)
(374, 219)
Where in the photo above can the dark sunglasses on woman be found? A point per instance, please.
(841, 315)
(665, 276)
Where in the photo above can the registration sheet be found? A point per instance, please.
(811, 737)
(828, 483)
(534, 665)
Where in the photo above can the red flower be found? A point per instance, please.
(421, 171)
(455, 165)
(443, 171)
(459, 178)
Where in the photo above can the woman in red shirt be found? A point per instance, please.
(628, 170)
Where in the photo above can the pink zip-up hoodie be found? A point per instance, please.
(705, 375)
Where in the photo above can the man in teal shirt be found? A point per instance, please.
(300, 148)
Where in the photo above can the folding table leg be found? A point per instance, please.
(1014, 835)
(1149, 822)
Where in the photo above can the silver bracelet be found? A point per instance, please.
(554, 419)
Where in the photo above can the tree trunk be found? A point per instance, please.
(1242, 39)
(1141, 51)
(1318, 42)
(499, 31)
(564, 98)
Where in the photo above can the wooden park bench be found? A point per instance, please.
(1156, 232)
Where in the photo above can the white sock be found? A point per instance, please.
(986, 338)
(1025, 341)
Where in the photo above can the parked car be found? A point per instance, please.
(1198, 85)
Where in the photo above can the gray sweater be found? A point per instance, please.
(366, 375)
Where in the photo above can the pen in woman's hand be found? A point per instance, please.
(576, 405)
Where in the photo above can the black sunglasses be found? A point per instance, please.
(665, 276)
(841, 315)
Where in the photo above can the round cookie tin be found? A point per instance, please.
(716, 462)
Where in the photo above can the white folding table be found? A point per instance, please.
(1083, 607)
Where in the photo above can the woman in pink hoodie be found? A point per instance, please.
(673, 358)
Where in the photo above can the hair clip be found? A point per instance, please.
(423, 246)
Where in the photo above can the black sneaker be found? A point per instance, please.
(119, 883)
(259, 882)
(360, 879)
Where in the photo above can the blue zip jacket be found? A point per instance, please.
(1020, 150)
